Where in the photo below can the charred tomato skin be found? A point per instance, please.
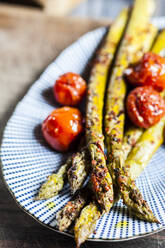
(149, 71)
(145, 107)
(62, 127)
(69, 89)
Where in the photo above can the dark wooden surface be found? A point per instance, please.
(29, 41)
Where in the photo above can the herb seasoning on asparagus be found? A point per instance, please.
(86, 223)
(71, 211)
(79, 170)
(54, 183)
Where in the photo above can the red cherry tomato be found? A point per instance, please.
(62, 127)
(69, 89)
(145, 106)
(149, 71)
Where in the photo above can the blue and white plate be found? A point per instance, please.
(27, 160)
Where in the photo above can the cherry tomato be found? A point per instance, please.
(69, 89)
(62, 127)
(145, 106)
(149, 71)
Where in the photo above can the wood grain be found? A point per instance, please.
(29, 41)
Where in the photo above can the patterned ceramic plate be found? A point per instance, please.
(27, 160)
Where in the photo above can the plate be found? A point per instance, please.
(27, 160)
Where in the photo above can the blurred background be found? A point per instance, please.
(83, 8)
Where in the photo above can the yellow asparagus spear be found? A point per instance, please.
(101, 180)
(137, 40)
(142, 152)
(86, 223)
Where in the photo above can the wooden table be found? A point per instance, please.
(29, 41)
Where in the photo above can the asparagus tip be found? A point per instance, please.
(37, 198)
(157, 221)
(40, 198)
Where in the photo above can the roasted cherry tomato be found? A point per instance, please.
(62, 127)
(149, 71)
(69, 89)
(145, 106)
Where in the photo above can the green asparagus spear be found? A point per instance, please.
(86, 223)
(142, 152)
(133, 198)
(131, 136)
(101, 179)
(71, 210)
(54, 183)
(79, 170)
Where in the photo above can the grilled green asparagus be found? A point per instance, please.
(86, 223)
(54, 183)
(131, 136)
(79, 170)
(133, 198)
(71, 211)
(142, 152)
